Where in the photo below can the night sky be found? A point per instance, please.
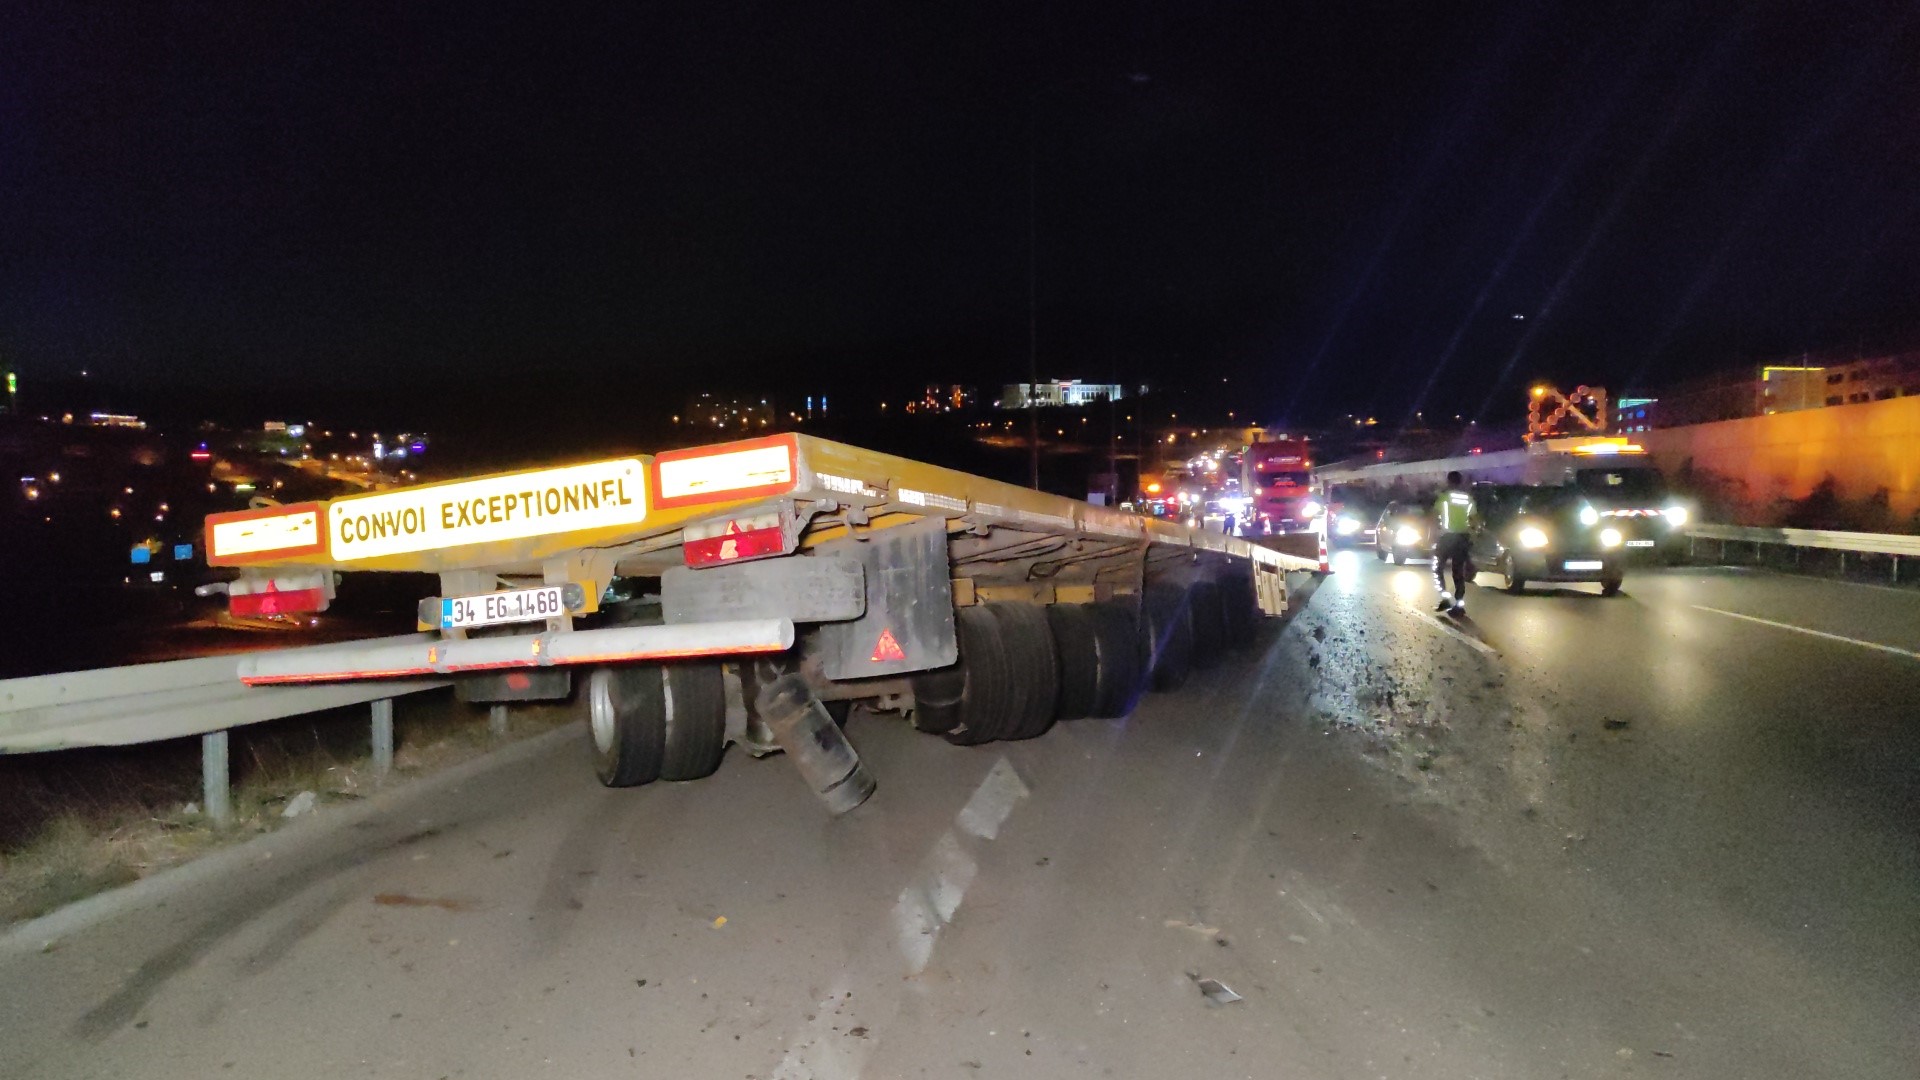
(1338, 206)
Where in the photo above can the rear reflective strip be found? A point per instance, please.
(928, 498)
(443, 669)
(427, 657)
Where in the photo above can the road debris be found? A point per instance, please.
(1614, 725)
(390, 899)
(302, 803)
(1215, 991)
(1198, 928)
(719, 922)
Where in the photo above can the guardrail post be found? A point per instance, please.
(382, 738)
(497, 719)
(215, 785)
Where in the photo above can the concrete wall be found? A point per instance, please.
(1764, 459)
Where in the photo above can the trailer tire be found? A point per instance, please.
(987, 665)
(1168, 621)
(694, 705)
(965, 701)
(1210, 633)
(1122, 662)
(626, 717)
(1076, 642)
(1033, 666)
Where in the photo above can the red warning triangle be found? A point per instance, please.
(887, 648)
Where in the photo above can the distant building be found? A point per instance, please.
(1067, 392)
(1632, 415)
(951, 397)
(1877, 379)
(1778, 388)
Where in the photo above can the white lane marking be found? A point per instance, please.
(914, 927)
(992, 801)
(1895, 650)
(923, 908)
(1435, 620)
(930, 901)
(822, 1052)
(950, 871)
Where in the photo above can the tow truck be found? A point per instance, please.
(750, 592)
(1276, 476)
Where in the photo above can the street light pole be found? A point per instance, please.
(1033, 317)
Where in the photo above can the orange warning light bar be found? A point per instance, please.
(273, 532)
(730, 472)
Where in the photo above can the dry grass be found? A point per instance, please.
(79, 822)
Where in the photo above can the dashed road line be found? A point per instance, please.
(992, 801)
(819, 1050)
(1435, 620)
(1895, 650)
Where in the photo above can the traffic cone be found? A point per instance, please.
(1325, 566)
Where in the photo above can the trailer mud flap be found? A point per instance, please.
(908, 623)
(813, 588)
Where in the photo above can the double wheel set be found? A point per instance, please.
(1022, 666)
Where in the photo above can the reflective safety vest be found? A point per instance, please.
(1453, 510)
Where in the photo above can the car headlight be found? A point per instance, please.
(1609, 537)
(1310, 509)
(1676, 515)
(1406, 536)
(1347, 526)
(1589, 516)
(1533, 537)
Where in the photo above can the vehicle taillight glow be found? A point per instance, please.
(734, 540)
(733, 471)
(286, 594)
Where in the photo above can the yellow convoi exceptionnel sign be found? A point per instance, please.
(494, 508)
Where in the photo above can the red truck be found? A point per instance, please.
(1277, 477)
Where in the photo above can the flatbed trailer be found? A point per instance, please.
(750, 592)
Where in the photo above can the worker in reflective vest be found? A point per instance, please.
(1454, 518)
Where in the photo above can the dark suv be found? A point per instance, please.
(1546, 534)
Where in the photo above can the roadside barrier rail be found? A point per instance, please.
(1895, 546)
(142, 703)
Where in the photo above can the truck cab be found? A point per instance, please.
(1278, 479)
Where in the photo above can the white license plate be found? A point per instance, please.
(493, 609)
(1639, 543)
(1584, 564)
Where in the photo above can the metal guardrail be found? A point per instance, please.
(1892, 546)
(142, 703)
(1866, 543)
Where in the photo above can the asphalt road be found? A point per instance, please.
(1571, 836)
